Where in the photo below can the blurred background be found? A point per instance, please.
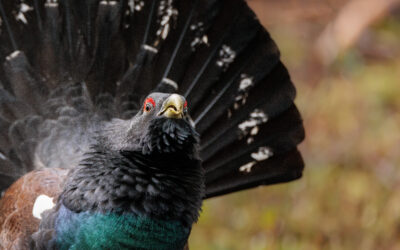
(344, 58)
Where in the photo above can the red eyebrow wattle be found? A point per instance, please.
(149, 100)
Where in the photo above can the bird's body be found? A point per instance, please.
(89, 120)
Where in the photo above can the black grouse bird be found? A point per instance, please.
(117, 118)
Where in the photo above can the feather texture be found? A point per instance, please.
(68, 66)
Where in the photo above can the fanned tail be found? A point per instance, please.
(69, 64)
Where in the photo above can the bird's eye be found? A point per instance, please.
(148, 108)
(149, 104)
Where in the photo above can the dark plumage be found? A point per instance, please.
(86, 87)
(150, 170)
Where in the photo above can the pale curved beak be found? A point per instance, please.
(173, 107)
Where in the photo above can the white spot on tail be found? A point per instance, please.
(247, 124)
(167, 18)
(200, 36)
(13, 55)
(263, 154)
(23, 8)
(226, 57)
(53, 4)
(150, 48)
(42, 203)
(136, 5)
(170, 83)
(247, 168)
(250, 140)
(254, 131)
(257, 117)
(246, 83)
(108, 3)
(3, 157)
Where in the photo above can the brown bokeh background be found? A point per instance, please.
(344, 58)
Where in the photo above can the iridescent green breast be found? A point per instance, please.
(113, 231)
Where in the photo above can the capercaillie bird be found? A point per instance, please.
(118, 118)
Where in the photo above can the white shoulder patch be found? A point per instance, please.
(42, 203)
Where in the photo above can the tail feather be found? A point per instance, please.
(25, 82)
(263, 173)
(39, 10)
(226, 90)
(70, 64)
(109, 61)
(12, 109)
(224, 62)
(273, 138)
(213, 28)
(262, 102)
(137, 25)
(179, 52)
(8, 20)
(49, 62)
(176, 49)
(5, 143)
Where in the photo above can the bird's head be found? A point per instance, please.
(162, 106)
(162, 125)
